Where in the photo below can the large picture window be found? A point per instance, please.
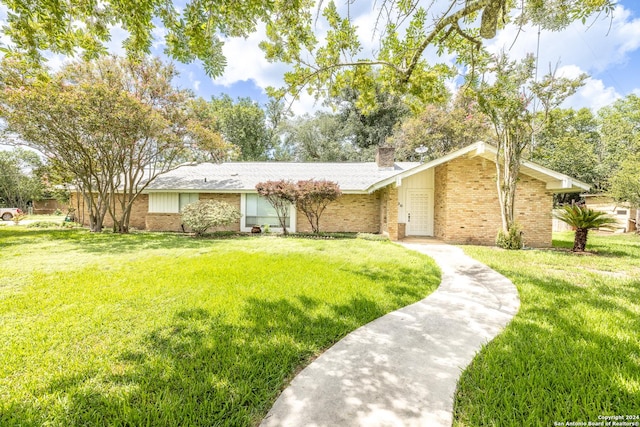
(258, 211)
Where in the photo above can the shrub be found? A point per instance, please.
(312, 198)
(583, 219)
(280, 194)
(205, 214)
(510, 240)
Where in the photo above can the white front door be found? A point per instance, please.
(419, 213)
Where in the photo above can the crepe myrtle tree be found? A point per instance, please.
(281, 195)
(313, 197)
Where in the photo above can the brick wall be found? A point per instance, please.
(163, 222)
(138, 211)
(350, 213)
(467, 209)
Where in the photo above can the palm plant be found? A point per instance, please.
(583, 219)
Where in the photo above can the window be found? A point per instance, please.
(258, 211)
(621, 212)
(170, 202)
(163, 202)
(186, 198)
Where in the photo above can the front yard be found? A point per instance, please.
(161, 329)
(572, 353)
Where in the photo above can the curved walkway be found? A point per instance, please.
(402, 369)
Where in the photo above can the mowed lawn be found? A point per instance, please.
(163, 329)
(572, 353)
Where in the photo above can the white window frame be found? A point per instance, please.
(247, 228)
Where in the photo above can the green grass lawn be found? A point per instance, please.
(572, 353)
(163, 329)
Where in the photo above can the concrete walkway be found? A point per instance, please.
(402, 369)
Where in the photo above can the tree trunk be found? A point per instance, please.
(580, 240)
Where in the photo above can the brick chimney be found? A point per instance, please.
(385, 157)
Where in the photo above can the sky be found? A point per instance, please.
(607, 49)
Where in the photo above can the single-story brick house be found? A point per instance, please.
(453, 198)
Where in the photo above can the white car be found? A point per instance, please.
(7, 213)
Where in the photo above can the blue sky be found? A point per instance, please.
(606, 49)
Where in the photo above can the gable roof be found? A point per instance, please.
(238, 177)
(556, 182)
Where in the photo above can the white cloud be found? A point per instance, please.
(195, 83)
(246, 61)
(593, 47)
(594, 94)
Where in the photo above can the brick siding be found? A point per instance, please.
(467, 209)
(350, 213)
(138, 211)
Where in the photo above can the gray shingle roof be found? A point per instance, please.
(236, 177)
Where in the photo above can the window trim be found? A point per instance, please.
(243, 221)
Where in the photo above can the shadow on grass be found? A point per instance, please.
(202, 369)
(556, 361)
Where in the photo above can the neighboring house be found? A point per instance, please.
(453, 198)
(626, 216)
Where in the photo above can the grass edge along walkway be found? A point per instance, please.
(572, 353)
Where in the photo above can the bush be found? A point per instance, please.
(205, 214)
(510, 240)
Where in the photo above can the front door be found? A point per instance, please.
(419, 213)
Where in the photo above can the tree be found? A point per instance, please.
(625, 183)
(322, 137)
(205, 214)
(193, 30)
(506, 96)
(620, 133)
(196, 30)
(441, 129)
(242, 124)
(281, 195)
(407, 31)
(371, 127)
(313, 197)
(583, 219)
(115, 125)
(569, 141)
(20, 178)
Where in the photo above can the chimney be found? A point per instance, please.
(385, 157)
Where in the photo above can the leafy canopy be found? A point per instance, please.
(407, 34)
(325, 62)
